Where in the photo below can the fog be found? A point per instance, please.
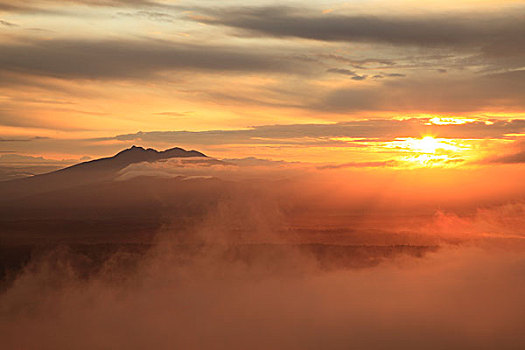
(259, 270)
(458, 297)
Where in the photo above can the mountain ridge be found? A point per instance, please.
(137, 154)
(96, 170)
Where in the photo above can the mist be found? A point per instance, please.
(457, 297)
(285, 256)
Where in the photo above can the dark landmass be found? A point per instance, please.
(85, 216)
(98, 170)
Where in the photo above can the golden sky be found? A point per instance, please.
(364, 83)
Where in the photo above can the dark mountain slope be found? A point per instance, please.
(88, 172)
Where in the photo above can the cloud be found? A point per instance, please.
(350, 73)
(277, 296)
(488, 40)
(348, 188)
(176, 114)
(498, 91)
(51, 6)
(512, 154)
(7, 24)
(342, 71)
(13, 165)
(360, 63)
(386, 163)
(394, 75)
(122, 59)
(389, 75)
(13, 159)
(472, 86)
(9, 7)
(30, 118)
(488, 30)
(510, 159)
(244, 169)
(2, 139)
(359, 77)
(319, 134)
(187, 168)
(281, 295)
(444, 300)
(151, 15)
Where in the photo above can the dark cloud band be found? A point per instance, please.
(427, 30)
(133, 59)
(366, 130)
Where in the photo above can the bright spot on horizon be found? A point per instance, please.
(449, 121)
(429, 144)
(428, 150)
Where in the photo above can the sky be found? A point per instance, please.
(364, 83)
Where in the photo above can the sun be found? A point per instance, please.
(427, 144)
(428, 151)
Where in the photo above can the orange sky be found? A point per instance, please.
(359, 82)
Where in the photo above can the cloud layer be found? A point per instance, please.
(72, 59)
(88, 70)
(490, 30)
(362, 131)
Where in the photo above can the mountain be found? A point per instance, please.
(129, 156)
(93, 171)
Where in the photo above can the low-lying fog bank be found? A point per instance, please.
(221, 297)
(215, 256)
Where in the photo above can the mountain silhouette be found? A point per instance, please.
(129, 156)
(93, 171)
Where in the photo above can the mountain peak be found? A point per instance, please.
(132, 149)
(136, 154)
(96, 170)
(179, 152)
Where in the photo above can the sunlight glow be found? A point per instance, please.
(429, 151)
(449, 120)
(427, 144)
